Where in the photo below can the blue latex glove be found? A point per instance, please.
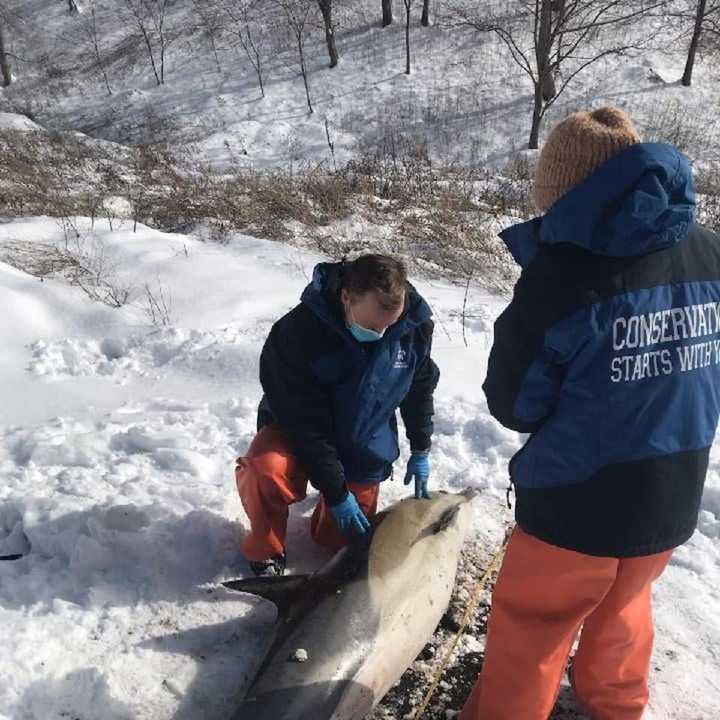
(349, 516)
(418, 467)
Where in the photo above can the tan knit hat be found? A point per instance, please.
(576, 147)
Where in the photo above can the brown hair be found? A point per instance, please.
(384, 274)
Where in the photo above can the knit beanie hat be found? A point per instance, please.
(576, 147)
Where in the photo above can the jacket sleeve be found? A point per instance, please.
(524, 376)
(418, 408)
(302, 410)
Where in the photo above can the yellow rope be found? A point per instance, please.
(474, 600)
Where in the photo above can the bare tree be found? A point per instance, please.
(706, 20)
(387, 13)
(297, 16)
(552, 41)
(150, 17)
(543, 48)
(4, 56)
(326, 10)
(211, 24)
(426, 14)
(90, 26)
(251, 33)
(408, 7)
(72, 7)
(13, 26)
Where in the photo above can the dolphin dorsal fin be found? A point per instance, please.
(283, 590)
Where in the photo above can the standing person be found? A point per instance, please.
(608, 357)
(335, 370)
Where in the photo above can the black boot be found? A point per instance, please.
(272, 567)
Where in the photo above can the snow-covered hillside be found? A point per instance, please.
(465, 97)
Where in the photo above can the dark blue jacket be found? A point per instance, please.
(609, 356)
(335, 398)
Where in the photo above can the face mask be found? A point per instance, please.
(364, 335)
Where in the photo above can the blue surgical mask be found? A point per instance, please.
(360, 333)
(363, 334)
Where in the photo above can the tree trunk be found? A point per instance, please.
(304, 73)
(72, 7)
(694, 42)
(163, 40)
(326, 10)
(426, 14)
(258, 70)
(407, 36)
(253, 54)
(543, 50)
(537, 117)
(213, 46)
(387, 13)
(149, 47)
(561, 20)
(549, 86)
(4, 62)
(96, 45)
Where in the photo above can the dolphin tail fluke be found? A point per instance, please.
(282, 590)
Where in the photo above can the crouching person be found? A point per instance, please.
(334, 371)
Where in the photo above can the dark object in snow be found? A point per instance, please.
(273, 567)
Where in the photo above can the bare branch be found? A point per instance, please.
(597, 23)
(583, 66)
(519, 56)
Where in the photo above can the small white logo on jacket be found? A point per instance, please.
(401, 361)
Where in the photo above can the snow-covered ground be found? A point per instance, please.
(117, 447)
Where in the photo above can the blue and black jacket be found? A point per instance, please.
(609, 356)
(336, 398)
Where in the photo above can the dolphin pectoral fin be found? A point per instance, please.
(345, 564)
(283, 590)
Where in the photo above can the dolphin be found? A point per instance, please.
(346, 634)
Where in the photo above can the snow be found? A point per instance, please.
(13, 121)
(117, 443)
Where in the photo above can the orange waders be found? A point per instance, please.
(543, 596)
(269, 480)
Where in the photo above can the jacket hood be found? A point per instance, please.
(639, 201)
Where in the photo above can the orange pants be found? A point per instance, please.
(543, 595)
(269, 480)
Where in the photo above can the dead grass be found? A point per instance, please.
(443, 218)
